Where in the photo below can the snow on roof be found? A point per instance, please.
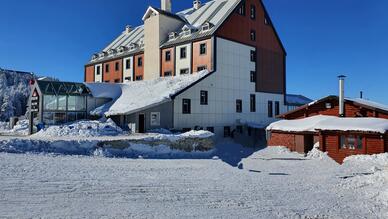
(297, 100)
(320, 122)
(139, 95)
(104, 90)
(369, 103)
(298, 125)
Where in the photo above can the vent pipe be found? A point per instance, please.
(341, 96)
(196, 4)
(361, 94)
(128, 28)
(166, 5)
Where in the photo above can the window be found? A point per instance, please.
(210, 129)
(167, 74)
(98, 70)
(139, 78)
(202, 49)
(117, 67)
(227, 131)
(241, 10)
(253, 103)
(238, 106)
(62, 102)
(206, 27)
(203, 97)
(253, 35)
(183, 52)
(128, 64)
(76, 103)
(277, 108)
(253, 76)
(168, 56)
(117, 80)
(253, 12)
(253, 56)
(184, 71)
(351, 142)
(239, 129)
(50, 102)
(139, 62)
(186, 106)
(128, 79)
(270, 111)
(267, 20)
(106, 68)
(107, 81)
(201, 68)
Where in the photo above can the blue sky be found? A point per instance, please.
(323, 38)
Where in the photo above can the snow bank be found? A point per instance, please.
(315, 153)
(320, 122)
(143, 94)
(82, 129)
(375, 159)
(21, 128)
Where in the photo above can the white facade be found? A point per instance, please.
(229, 83)
(183, 63)
(128, 70)
(98, 73)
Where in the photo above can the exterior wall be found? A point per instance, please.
(282, 139)
(168, 65)
(202, 60)
(230, 82)
(166, 119)
(372, 144)
(98, 77)
(320, 109)
(139, 70)
(156, 30)
(270, 71)
(183, 63)
(128, 72)
(113, 74)
(89, 74)
(294, 141)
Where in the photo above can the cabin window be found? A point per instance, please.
(253, 35)
(183, 52)
(253, 12)
(204, 97)
(238, 106)
(241, 10)
(202, 49)
(128, 64)
(351, 142)
(270, 109)
(253, 76)
(186, 106)
(168, 56)
(253, 103)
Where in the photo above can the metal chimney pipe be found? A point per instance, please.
(361, 94)
(166, 5)
(341, 96)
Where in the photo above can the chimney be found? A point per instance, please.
(196, 4)
(128, 28)
(341, 96)
(166, 5)
(361, 94)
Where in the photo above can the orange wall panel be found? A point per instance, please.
(205, 59)
(89, 74)
(113, 74)
(168, 65)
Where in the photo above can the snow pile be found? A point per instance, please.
(140, 95)
(82, 129)
(14, 93)
(298, 125)
(21, 128)
(315, 153)
(375, 159)
(190, 134)
(321, 122)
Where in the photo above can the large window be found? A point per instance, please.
(204, 98)
(238, 106)
(50, 102)
(351, 142)
(186, 106)
(270, 109)
(253, 103)
(76, 103)
(202, 49)
(62, 103)
(183, 52)
(168, 56)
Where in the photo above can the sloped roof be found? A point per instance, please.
(62, 88)
(297, 100)
(139, 95)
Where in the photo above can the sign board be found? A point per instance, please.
(35, 102)
(155, 118)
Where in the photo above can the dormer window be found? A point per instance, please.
(132, 46)
(172, 36)
(187, 31)
(102, 54)
(206, 26)
(122, 49)
(111, 51)
(95, 56)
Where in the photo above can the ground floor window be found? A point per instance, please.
(139, 78)
(350, 142)
(186, 106)
(227, 131)
(239, 129)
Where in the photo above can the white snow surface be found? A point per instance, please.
(266, 183)
(140, 95)
(369, 103)
(322, 122)
(20, 129)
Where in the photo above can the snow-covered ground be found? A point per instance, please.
(237, 183)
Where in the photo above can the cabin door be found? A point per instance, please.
(141, 123)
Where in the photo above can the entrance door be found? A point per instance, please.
(141, 123)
